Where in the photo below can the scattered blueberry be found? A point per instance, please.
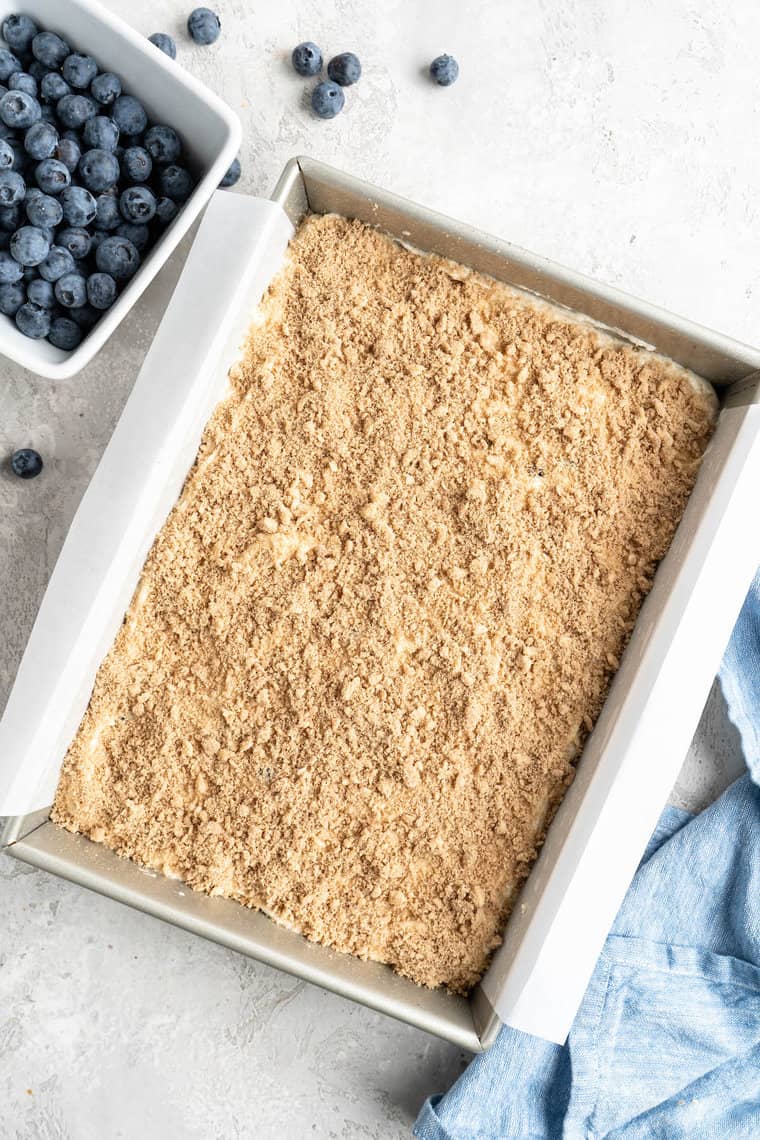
(73, 110)
(50, 49)
(69, 153)
(136, 164)
(9, 64)
(163, 144)
(53, 87)
(164, 43)
(444, 70)
(129, 115)
(52, 176)
(204, 26)
(136, 232)
(117, 256)
(26, 462)
(71, 290)
(57, 262)
(108, 216)
(18, 32)
(79, 70)
(40, 292)
(307, 59)
(327, 100)
(30, 245)
(6, 155)
(12, 188)
(19, 110)
(166, 210)
(40, 141)
(76, 240)
(137, 204)
(344, 69)
(79, 206)
(23, 82)
(64, 333)
(101, 290)
(12, 297)
(101, 132)
(10, 270)
(106, 88)
(98, 169)
(232, 176)
(33, 321)
(176, 183)
(43, 210)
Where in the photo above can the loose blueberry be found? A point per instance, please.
(166, 210)
(101, 290)
(444, 70)
(164, 43)
(327, 100)
(26, 462)
(50, 49)
(106, 88)
(233, 174)
(53, 87)
(9, 64)
(136, 164)
(23, 82)
(163, 144)
(307, 59)
(19, 110)
(76, 240)
(33, 321)
(30, 245)
(79, 70)
(129, 115)
(99, 169)
(57, 262)
(12, 188)
(18, 32)
(204, 26)
(85, 316)
(10, 270)
(69, 153)
(43, 210)
(79, 206)
(117, 256)
(101, 132)
(40, 141)
(64, 333)
(12, 297)
(40, 292)
(6, 155)
(108, 216)
(52, 176)
(344, 69)
(135, 232)
(73, 110)
(137, 204)
(71, 290)
(176, 183)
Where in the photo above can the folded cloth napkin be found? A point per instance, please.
(666, 1045)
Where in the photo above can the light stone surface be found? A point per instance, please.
(619, 139)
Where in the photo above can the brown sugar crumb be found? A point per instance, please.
(371, 638)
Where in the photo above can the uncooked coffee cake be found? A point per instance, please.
(374, 632)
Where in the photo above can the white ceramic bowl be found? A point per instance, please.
(210, 132)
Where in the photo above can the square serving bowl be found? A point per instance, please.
(554, 935)
(210, 132)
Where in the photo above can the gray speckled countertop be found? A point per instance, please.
(619, 139)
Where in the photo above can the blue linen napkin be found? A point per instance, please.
(666, 1044)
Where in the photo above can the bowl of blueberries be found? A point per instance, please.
(108, 151)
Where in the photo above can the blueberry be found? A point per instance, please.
(176, 183)
(30, 245)
(42, 209)
(79, 206)
(48, 115)
(204, 26)
(40, 292)
(166, 210)
(52, 176)
(117, 256)
(26, 463)
(73, 110)
(71, 290)
(22, 161)
(163, 144)
(136, 164)
(40, 141)
(12, 297)
(50, 49)
(33, 321)
(106, 88)
(10, 270)
(18, 32)
(327, 100)
(76, 240)
(99, 170)
(64, 333)
(135, 232)
(12, 188)
(85, 316)
(344, 69)
(68, 152)
(137, 204)
(79, 70)
(57, 262)
(11, 217)
(444, 70)
(19, 110)
(9, 64)
(307, 59)
(101, 290)
(7, 155)
(164, 43)
(23, 82)
(108, 216)
(129, 115)
(53, 87)
(101, 132)
(233, 174)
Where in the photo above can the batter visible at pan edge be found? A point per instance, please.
(372, 636)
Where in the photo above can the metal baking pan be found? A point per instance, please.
(552, 940)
